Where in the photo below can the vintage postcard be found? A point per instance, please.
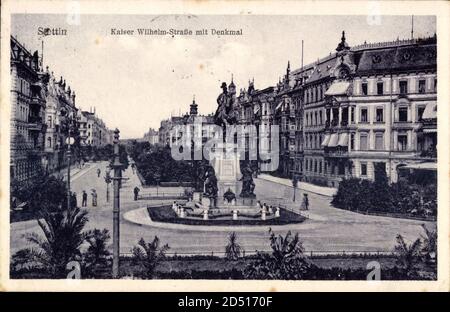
(217, 145)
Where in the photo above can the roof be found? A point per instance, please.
(411, 57)
(400, 55)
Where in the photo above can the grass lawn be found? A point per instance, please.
(166, 214)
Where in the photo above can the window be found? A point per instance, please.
(49, 142)
(320, 117)
(352, 114)
(402, 140)
(403, 87)
(364, 170)
(435, 85)
(352, 141)
(363, 146)
(380, 88)
(422, 86)
(403, 114)
(364, 115)
(364, 88)
(49, 123)
(420, 111)
(379, 141)
(379, 117)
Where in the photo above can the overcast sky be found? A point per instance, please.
(136, 81)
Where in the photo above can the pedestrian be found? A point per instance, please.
(305, 202)
(136, 193)
(84, 199)
(74, 200)
(98, 172)
(94, 197)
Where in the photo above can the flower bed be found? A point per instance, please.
(166, 214)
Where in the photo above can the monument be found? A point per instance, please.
(226, 187)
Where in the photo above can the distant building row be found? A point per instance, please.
(42, 109)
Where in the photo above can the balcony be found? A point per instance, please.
(336, 152)
(35, 100)
(35, 123)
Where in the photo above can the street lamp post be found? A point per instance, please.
(294, 185)
(117, 166)
(69, 142)
(108, 180)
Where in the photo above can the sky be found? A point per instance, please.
(135, 81)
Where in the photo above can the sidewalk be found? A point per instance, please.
(321, 190)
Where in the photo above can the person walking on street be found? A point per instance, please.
(136, 193)
(84, 199)
(98, 172)
(305, 202)
(94, 197)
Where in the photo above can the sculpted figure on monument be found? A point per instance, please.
(225, 113)
(210, 183)
(248, 186)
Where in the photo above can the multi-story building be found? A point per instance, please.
(60, 108)
(355, 108)
(152, 136)
(169, 131)
(27, 112)
(93, 130)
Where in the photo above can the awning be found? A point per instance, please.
(421, 166)
(279, 106)
(333, 140)
(343, 139)
(431, 130)
(338, 88)
(430, 111)
(325, 141)
(256, 109)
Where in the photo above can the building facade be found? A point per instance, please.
(60, 107)
(93, 130)
(27, 112)
(358, 107)
(152, 136)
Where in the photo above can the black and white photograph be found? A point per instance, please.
(216, 147)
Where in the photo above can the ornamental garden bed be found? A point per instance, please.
(167, 215)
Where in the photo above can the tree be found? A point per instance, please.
(429, 248)
(408, 255)
(63, 237)
(233, 249)
(147, 256)
(41, 192)
(286, 261)
(97, 255)
(381, 198)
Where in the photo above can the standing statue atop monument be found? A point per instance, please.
(226, 113)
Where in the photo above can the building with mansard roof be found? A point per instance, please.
(353, 109)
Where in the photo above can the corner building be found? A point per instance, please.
(373, 103)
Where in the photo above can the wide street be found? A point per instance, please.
(328, 229)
